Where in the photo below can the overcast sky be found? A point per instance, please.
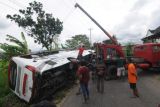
(129, 20)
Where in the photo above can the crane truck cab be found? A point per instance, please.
(111, 55)
(35, 77)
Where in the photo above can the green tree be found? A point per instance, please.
(77, 40)
(38, 24)
(129, 51)
(4, 89)
(109, 41)
(19, 48)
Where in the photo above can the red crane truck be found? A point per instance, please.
(108, 52)
(148, 55)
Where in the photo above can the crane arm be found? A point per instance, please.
(113, 40)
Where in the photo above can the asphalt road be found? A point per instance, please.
(118, 94)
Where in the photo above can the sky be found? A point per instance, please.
(129, 20)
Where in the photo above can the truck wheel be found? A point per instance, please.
(112, 72)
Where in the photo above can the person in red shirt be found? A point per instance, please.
(132, 77)
(83, 74)
(80, 53)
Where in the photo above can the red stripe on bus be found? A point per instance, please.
(24, 84)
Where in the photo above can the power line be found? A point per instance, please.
(9, 6)
(68, 15)
(72, 4)
(83, 21)
(67, 4)
(19, 3)
(75, 1)
(16, 3)
(71, 11)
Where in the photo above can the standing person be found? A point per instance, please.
(80, 53)
(77, 74)
(120, 68)
(93, 66)
(132, 77)
(100, 72)
(83, 73)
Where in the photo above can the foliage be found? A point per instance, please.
(5, 93)
(4, 89)
(109, 41)
(23, 44)
(77, 40)
(150, 41)
(38, 24)
(3, 65)
(63, 47)
(21, 47)
(129, 49)
(10, 50)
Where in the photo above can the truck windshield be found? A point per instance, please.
(112, 53)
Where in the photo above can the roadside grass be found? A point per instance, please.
(62, 93)
(11, 100)
(7, 98)
(4, 89)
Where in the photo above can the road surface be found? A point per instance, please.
(118, 94)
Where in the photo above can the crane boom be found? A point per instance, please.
(113, 40)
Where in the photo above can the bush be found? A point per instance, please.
(3, 83)
(4, 89)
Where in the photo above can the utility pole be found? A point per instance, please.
(90, 30)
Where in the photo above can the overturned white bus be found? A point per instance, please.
(34, 77)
